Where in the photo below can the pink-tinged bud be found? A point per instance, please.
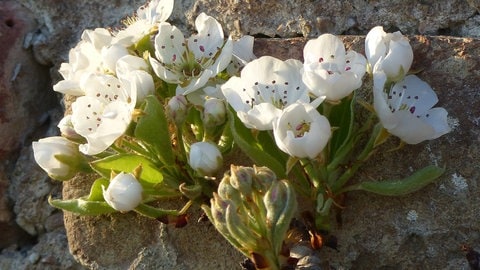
(124, 192)
(177, 108)
(67, 130)
(214, 113)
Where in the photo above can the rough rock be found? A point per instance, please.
(421, 231)
(24, 84)
(32, 233)
(61, 23)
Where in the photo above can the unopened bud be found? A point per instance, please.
(263, 178)
(124, 192)
(177, 108)
(214, 113)
(66, 129)
(58, 157)
(241, 179)
(205, 158)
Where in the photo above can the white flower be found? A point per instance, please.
(124, 192)
(191, 62)
(301, 131)
(51, 153)
(329, 71)
(392, 49)
(148, 16)
(104, 113)
(84, 59)
(242, 54)
(406, 110)
(205, 158)
(266, 85)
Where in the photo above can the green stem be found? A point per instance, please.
(362, 157)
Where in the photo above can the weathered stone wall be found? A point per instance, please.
(420, 231)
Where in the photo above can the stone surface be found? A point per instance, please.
(61, 23)
(421, 231)
(32, 235)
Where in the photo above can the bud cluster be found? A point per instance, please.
(253, 210)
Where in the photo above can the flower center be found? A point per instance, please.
(300, 129)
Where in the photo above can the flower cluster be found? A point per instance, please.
(155, 112)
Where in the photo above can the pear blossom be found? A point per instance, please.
(124, 192)
(104, 113)
(329, 70)
(205, 158)
(392, 49)
(191, 62)
(84, 59)
(405, 109)
(301, 131)
(265, 87)
(242, 53)
(51, 154)
(144, 23)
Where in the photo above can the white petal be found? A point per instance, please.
(169, 44)
(413, 93)
(224, 58)
(195, 83)
(164, 73)
(374, 45)
(115, 119)
(411, 129)
(209, 39)
(260, 117)
(327, 48)
(69, 87)
(130, 63)
(111, 54)
(156, 11)
(437, 118)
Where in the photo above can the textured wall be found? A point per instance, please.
(424, 230)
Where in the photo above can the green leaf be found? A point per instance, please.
(341, 116)
(405, 186)
(150, 176)
(82, 207)
(96, 192)
(152, 128)
(250, 146)
(154, 212)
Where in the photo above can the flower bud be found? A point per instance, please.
(57, 156)
(205, 158)
(390, 50)
(214, 113)
(241, 179)
(124, 192)
(263, 178)
(227, 192)
(67, 130)
(177, 109)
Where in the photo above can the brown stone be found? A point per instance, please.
(423, 230)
